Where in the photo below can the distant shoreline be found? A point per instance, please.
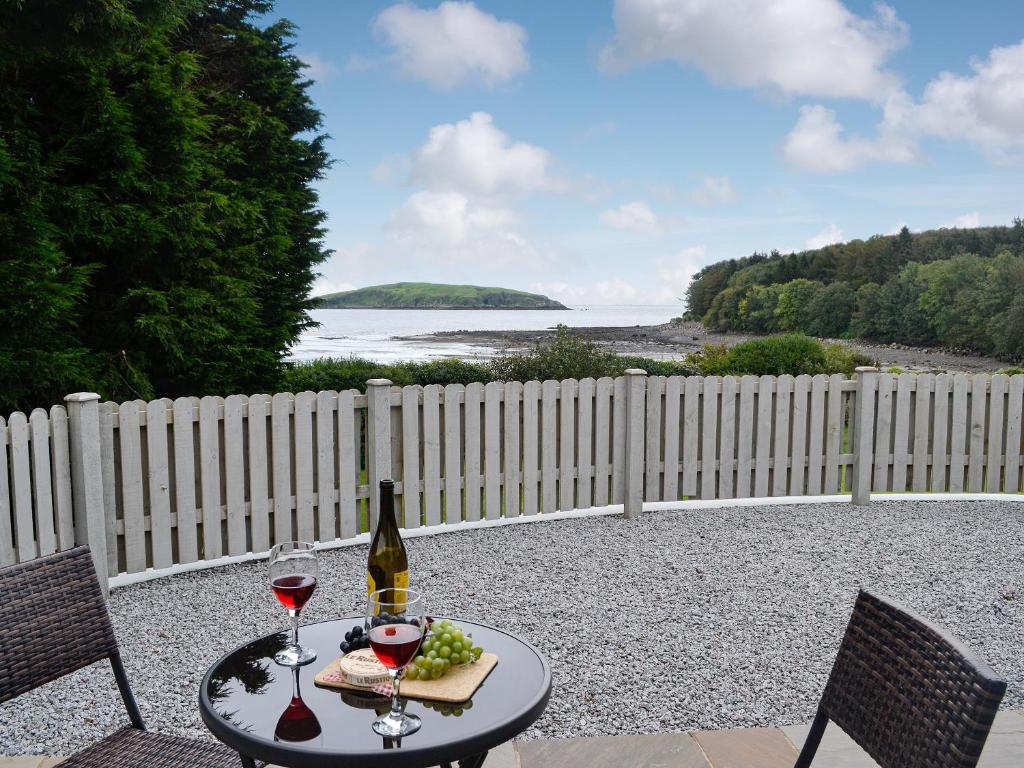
(675, 339)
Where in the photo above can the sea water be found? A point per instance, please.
(376, 333)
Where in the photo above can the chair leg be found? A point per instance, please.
(813, 739)
(126, 691)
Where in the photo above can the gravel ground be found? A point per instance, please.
(677, 621)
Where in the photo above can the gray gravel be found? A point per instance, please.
(676, 621)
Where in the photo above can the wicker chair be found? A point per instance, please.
(909, 694)
(53, 621)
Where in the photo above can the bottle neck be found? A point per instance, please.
(386, 521)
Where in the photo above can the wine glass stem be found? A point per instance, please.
(294, 614)
(396, 705)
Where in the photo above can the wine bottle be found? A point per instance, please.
(387, 566)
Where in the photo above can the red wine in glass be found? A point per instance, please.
(297, 723)
(293, 591)
(395, 644)
(293, 570)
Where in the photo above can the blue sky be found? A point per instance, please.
(601, 152)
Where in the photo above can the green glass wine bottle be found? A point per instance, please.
(387, 566)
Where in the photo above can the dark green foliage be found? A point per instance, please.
(864, 324)
(792, 354)
(955, 288)
(793, 310)
(830, 310)
(352, 373)
(567, 355)
(655, 367)
(159, 232)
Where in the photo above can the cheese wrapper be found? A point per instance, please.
(362, 668)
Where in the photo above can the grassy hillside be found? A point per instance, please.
(435, 296)
(960, 288)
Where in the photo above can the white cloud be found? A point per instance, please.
(449, 227)
(964, 221)
(475, 157)
(985, 108)
(828, 236)
(317, 67)
(323, 286)
(636, 216)
(714, 189)
(468, 175)
(453, 44)
(805, 47)
(674, 274)
(614, 290)
(817, 143)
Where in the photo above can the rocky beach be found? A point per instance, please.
(675, 339)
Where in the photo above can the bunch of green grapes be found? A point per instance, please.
(445, 646)
(448, 709)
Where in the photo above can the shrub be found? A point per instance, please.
(338, 373)
(565, 355)
(794, 354)
(840, 358)
(712, 360)
(654, 367)
(448, 371)
(776, 355)
(352, 373)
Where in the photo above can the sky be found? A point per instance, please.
(602, 151)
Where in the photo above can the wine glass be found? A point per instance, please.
(297, 722)
(293, 574)
(395, 621)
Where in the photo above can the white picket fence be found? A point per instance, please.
(151, 485)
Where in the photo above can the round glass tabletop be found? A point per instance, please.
(249, 703)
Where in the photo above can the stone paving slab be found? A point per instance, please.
(747, 748)
(837, 750)
(661, 750)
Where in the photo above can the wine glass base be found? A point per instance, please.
(295, 656)
(393, 727)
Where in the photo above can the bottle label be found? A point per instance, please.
(401, 581)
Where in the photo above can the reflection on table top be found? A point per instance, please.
(276, 713)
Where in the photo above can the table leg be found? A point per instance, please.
(247, 762)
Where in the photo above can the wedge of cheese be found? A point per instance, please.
(362, 668)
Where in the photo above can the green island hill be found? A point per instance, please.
(435, 296)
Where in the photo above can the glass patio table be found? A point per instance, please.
(248, 702)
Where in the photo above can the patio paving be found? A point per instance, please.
(740, 748)
(733, 748)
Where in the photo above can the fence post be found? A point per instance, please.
(863, 433)
(636, 389)
(87, 478)
(378, 440)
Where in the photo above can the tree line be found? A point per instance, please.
(960, 288)
(159, 230)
